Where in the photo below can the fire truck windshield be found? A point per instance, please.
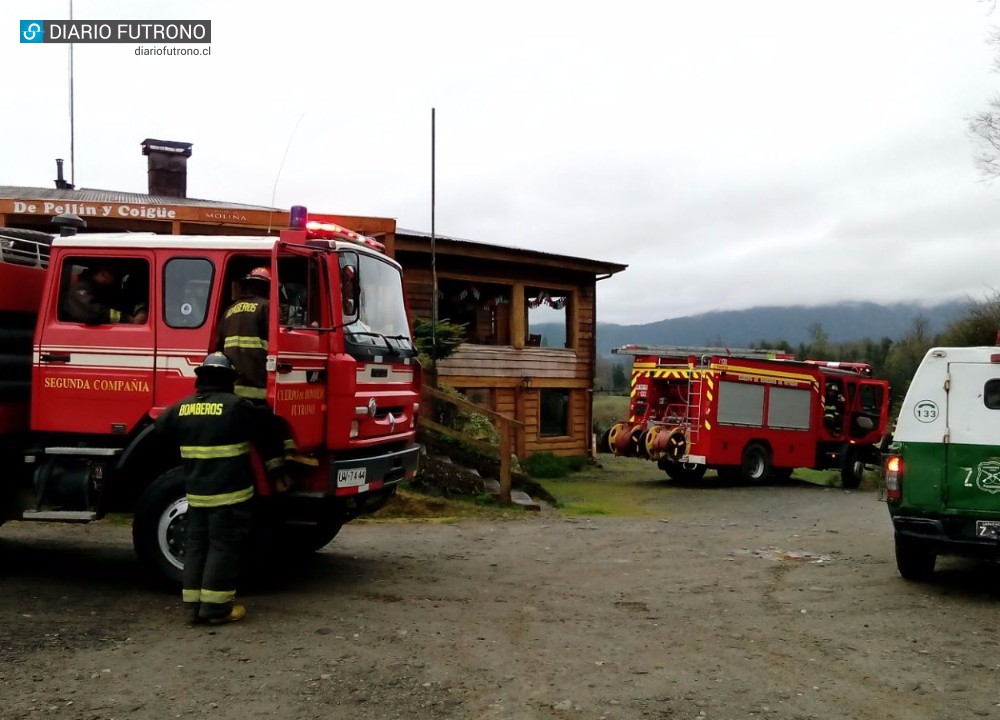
(381, 322)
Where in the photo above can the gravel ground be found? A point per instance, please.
(764, 602)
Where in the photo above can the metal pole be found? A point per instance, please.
(434, 277)
(72, 123)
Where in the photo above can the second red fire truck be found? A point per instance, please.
(749, 414)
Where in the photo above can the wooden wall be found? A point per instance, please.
(515, 375)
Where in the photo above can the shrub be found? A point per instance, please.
(547, 465)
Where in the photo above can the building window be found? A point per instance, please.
(548, 317)
(553, 413)
(482, 308)
(187, 283)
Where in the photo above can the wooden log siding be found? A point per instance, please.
(499, 361)
(516, 373)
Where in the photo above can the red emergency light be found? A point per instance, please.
(298, 219)
(332, 231)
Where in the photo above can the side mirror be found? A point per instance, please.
(350, 292)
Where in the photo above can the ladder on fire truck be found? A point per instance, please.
(695, 381)
(701, 352)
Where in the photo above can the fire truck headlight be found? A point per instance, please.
(354, 428)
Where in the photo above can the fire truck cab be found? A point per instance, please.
(749, 413)
(341, 373)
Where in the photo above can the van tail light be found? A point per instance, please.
(894, 478)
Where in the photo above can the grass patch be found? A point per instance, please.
(408, 505)
(623, 487)
(826, 478)
(549, 465)
(608, 408)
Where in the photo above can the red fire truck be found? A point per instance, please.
(77, 401)
(749, 414)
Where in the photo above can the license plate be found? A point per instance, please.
(351, 477)
(988, 529)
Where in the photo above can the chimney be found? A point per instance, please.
(167, 166)
(61, 183)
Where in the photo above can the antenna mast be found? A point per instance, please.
(72, 123)
(434, 277)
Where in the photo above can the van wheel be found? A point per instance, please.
(853, 470)
(756, 464)
(159, 527)
(914, 560)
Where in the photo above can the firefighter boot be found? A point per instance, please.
(237, 612)
(191, 611)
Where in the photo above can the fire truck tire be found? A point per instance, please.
(729, 473)
(159, 526)
(305, 539)
(604, 442)
(756, 464)
(684, 472)
(915, 560)
(853, 470)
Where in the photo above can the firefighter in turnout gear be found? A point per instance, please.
(833, 408)
(243, 334)
(215, 429)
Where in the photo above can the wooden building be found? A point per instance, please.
(530, 320)
(530, 316)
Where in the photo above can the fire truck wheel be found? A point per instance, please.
(756, 464)
(729, 473)
(305, 539)
(853, 470)
(914, 560)
(159, 526)
(684, 472)
(604, 442)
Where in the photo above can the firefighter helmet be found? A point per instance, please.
(261, 274)
(216, 365)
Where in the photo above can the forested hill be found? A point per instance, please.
(739, 328)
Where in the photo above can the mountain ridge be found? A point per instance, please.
(842, 322)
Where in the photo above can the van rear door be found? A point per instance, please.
(972, 454)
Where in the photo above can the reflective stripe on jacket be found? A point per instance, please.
(214, 431)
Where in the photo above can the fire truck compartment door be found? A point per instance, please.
(299, 342)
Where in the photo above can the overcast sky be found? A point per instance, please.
(733, 153)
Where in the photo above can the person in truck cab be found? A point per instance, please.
(93, 299)
(214, 429)
(833, 408)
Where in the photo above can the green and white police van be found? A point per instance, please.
(942, 470)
